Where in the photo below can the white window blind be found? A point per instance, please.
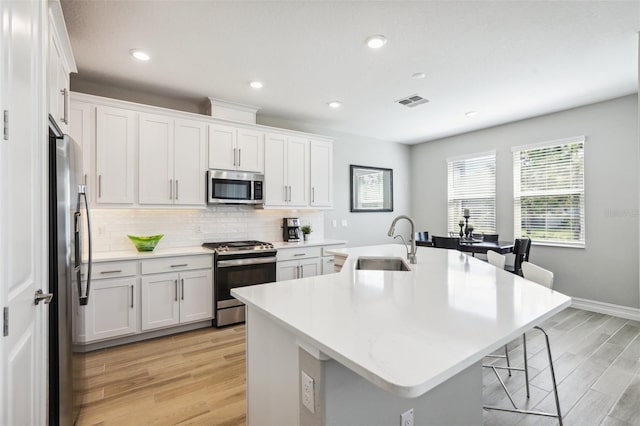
(472, 185)
(548, 185)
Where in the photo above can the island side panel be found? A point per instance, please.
(350, 399)
(272, 373)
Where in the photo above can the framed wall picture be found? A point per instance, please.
(371, 189)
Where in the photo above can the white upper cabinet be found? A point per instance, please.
(232, 148)
(116, 140)
(80, 116)
(171, 162)
(321, 173)
(189, 163)
(60, 63)
(286, 171)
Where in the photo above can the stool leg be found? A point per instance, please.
(526, 362)
(506, 355)
(553, 375)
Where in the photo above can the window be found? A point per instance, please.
(548, 186)
(472, 185)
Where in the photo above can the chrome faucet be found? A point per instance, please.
(411, 255)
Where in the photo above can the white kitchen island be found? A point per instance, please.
(378, 343)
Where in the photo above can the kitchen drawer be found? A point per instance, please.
(327, 249)
(298, 253)
(101, 270)
(176, 264)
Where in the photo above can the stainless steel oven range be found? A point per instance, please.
(239, 264)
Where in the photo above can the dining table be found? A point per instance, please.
(474, 246)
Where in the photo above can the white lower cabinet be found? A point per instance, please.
(299, 262)
(112, 310)
(174, 298)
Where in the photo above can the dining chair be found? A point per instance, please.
(445, 242)
(543, 277)
(521, 249)
(492, 238)
(496, 259)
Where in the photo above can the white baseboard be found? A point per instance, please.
(606, 308)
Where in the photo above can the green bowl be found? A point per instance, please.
(145, 243)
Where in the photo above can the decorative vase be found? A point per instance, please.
(305, 237)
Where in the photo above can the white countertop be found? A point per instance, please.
(407, 332)
(132, 254)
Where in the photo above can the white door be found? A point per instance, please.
(297, 164)
(196, 295)
(250, 150)
(116, 137)
(159, 300)
(23, 215)
(276, 190)
(310, 267)
(222, 147)
(321, 173)
(155, 172)
(112, 310)
(190, 167)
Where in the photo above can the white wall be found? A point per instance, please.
(362, 228)
(607, 269)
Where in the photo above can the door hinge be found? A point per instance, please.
(5, 317)
(5, 120)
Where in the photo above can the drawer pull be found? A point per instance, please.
(182, 265)
(115, 271)
(300, 254)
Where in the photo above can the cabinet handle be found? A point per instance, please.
(99, 186)
(300, 254)
(65, 106)
(182, 291)
(176, 287)
(181, 265)
(176, 189)
(115, 271)
(239, 157)
(171, 189)
(131, 297)
(234, 156)
(85, 179)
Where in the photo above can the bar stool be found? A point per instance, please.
(543, 277)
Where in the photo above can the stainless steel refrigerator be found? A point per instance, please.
(69, 230)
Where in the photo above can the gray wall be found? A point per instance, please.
(607, 269)
(362, 228)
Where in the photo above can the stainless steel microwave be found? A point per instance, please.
(231, 187)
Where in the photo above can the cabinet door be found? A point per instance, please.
(328, 265)
(310, 267)
(112, 310)
(116, 138)
(250, 150)
(155, 164)
(159, 301)
(80, 131)
(222, 147)
(189, 162)
(321, 166)
(287, 270)
(276, 191)
(57, 83)
(196, 295)
(297, 163)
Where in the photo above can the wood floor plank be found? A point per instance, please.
(626, 409)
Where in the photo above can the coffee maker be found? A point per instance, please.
(291, 229)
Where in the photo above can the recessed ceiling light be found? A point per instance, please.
(471, 113)
(418, 76)
(256, 84)
(140, 55)
(376, 41)
(334, 104)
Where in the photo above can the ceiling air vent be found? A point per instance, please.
(412, 101)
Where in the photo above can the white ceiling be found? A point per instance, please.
(506, 60)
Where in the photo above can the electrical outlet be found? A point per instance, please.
(307, 392)
(334, 223)
(406, 418)
(344, 223)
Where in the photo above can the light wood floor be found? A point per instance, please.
(199, 377)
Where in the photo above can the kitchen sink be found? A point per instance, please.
(382, 264)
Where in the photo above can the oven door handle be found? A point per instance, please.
(243, 262)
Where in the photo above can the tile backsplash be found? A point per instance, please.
(192, 227)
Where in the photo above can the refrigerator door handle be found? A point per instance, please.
(82, 192)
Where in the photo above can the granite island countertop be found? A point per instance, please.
(406, 331)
